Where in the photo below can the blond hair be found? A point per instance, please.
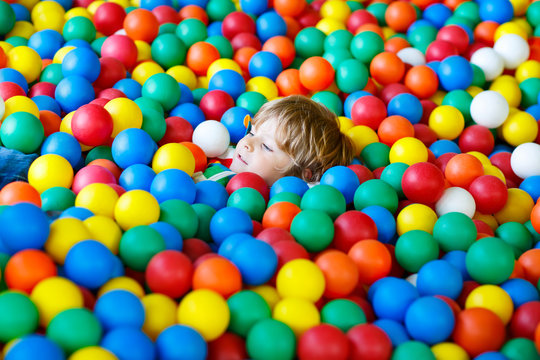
(309, 133)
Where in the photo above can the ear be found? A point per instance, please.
(307, 174)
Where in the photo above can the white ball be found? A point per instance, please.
(491, 63)
(212, 137)
(456, 199)
(412, 279)
(490, 109)
(525, 160)
(412, 56)
(513, 49)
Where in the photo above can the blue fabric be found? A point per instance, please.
(14, 165)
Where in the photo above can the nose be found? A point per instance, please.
(248, 144)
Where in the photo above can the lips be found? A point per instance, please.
(241, 159)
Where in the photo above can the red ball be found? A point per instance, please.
(166, 14)
(228, 346)
(109, 18)
(489, 193)
(121, 48)
(479, 330)
(439, 50)
(91, 174)
(308, 17)
(483, 228)
(525, 320)
(358, 18)
(391, 90)
(272, 235)
(423, 182)
(195, 248)
(42, 88)
(217, 274)
(110, 93)
(427, 107)
(237, 22)
(246, 39)
(214, 104)
(323, 342)
(170, 273)
(112, 71)
(368, 341)
(351, 227)
(362, 172)
(9, 89)
(369, 111)
(477, 138)
(425, 134)
(92, 125)
(502, 161)
(443, 160)
(248, 179)
(178, 130)
(287, 251)
(456, 35)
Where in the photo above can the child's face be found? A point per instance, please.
(259, 153)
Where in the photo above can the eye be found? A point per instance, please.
(266, 147)
(250, 133)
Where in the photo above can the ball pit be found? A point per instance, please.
(426, 246)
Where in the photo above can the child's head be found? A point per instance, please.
(293, 136)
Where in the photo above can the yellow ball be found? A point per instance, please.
(54, 295)
(136, 207)
(221, 64)
(63, 234)
(520, 127)
(206, 311)
(20, 103)
(408, 150)
(416, 217)
(61, 53)
(23, 29)
(28, 4)
(335, 9)
(298, 314)
(144, 51)
(524, 24)
(160, 313)
(329, 25)
(518, 207)
(527, 69)
(300, 278)
(508, 87)
(48, 15)
(122, 283)
(447, 122)
(449, 351)
(105, 230)
(520, 6)
(362, 136)
(268, 293)
(474, 90)
(125, 114)
(78, 11)
(202, 82)
(94, 5)
(48, 171)
(184, 75)
(482, 157)
(6, 46)
(264, 86)
(495, 171)
(174, 156)
(98, 198)
(345, 124)
(488, 219)
(438, 97)
(93, 353)
(493, 298)
(509, 28)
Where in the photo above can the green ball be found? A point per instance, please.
(99, 152)
(421, 36)
(354, 5)
(469, 10)
(340, 39)
(490, 261)
(191, 30)
(198, 94)
(7, 18)
(516, 235)
(461, 100)
(271, 339)
(330, 100)
(342, 313)
(57, 198)
(217, 10)
(392, 175)
(479, 78)
(454, 231)
(52, 74)
(533, 14)
(247, 308)
(79, 27)
(336, 56)
(181, 215)
(285, 196)
(530, 89)
(376, 192)
(22, 131)
(297, 62)
(249, 200)
(138, 245)
(168, 50)
(19, 316)
(148, 103)
(365, 45)
(534, 234)
(4, 258)
(74, 329)
(163, 88)
(17, 41)
(520, 349)
(376, 155)
(325, 198)
(97, 44)
(167, 28)
(204, 214)
(313, 229)
(416, 248)
(223, 45)
(459, 20)
(378, 9)
(413, 350)
(309, 42)
(351, 75)
(251, 101)
(154, 124)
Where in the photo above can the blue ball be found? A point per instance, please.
(416, 25)
(255, 7)
(45, 102)
(23, 226)
(455, 72)
(430, 320)
(137, 176)
(35, 346)
(500, 11)
(79, 43)
(531, 185)
(77, 212)
(406, 105)
(12, 75)
(129, 343)
(444, 146)
(385, 222)
(181, 342)
(291, 184)
(256, 260)
(211, 193)
(439, 277)
(73, 91)
(186, 96)
(434, 65)
(534, 110)
(63, 144)
(129, 87)
(21, 12)
(119, 269)
(265, 63)
(228, 246)
(133, 146)
(233, 119)
(66, 4)
(119, 308)
(343, 179)
(392, 297)
(83, 62)
(395, 330)
(152, 4)
(89, 263)
(229, 81)
(351, 99)
(437, 14)
(228, 221)
(214, 28)
(46, 43)
(491, 355)
(171, 236)
(191, 112)
(270, 24)
(457, 258)
(521, 291)
(173, 184)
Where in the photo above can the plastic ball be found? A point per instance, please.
(163, 88)
(167, 343)
(316, 73)
(455, 72)
(281, 344)
(406, 105)
(128, 342)
(35, 345)
(478, 330)
(74, 329)
(22, 131)
(90, 274)
(422, 81)
(351, 75)
(220, 224)
(234, 119)
(519, 128)
(81, 62)
(173, 156)
(423, 182)
(522, 160)
(369, 340)
(119, 308)
(212, 137)
(490, 253)
(493, 298)
(462, 169)
(325, 198)
(20, 313)
(372, 259)
(141, 24)
(73, 92)
(323, 340)
(456, 199)
(136, 207)
(343, 179)
(93, 352)
(429, 276)
(300, 278)
(132, 146)
(447, 122)
(419, 320)
(50, 170)
(179, 270)
(408, 150)
(513, 49)
(407, 253)
(27, 221)
(229, 81)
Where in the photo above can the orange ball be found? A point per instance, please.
(485, 32)
(282, 47)
(535, 217)
(537, 337)
(387, 68)
(478, 330)
(422, 81)
(27, 268)
(395, 44)
(371, 27)
(288, 83)
(198, 154)
(109, 165)
(218, 274)
(50, 121)
(393, 128)
(462, 169)
(293, 27)
(399, 15)
(280, 215)
(200, 56)
(289, 7)
(422, 4)
(141, 24)
(529, 260)
(340, 273)
(372, 259)
(243, 55)
(371, 87)
(316, 73)
(193, 12)
(19, 191)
